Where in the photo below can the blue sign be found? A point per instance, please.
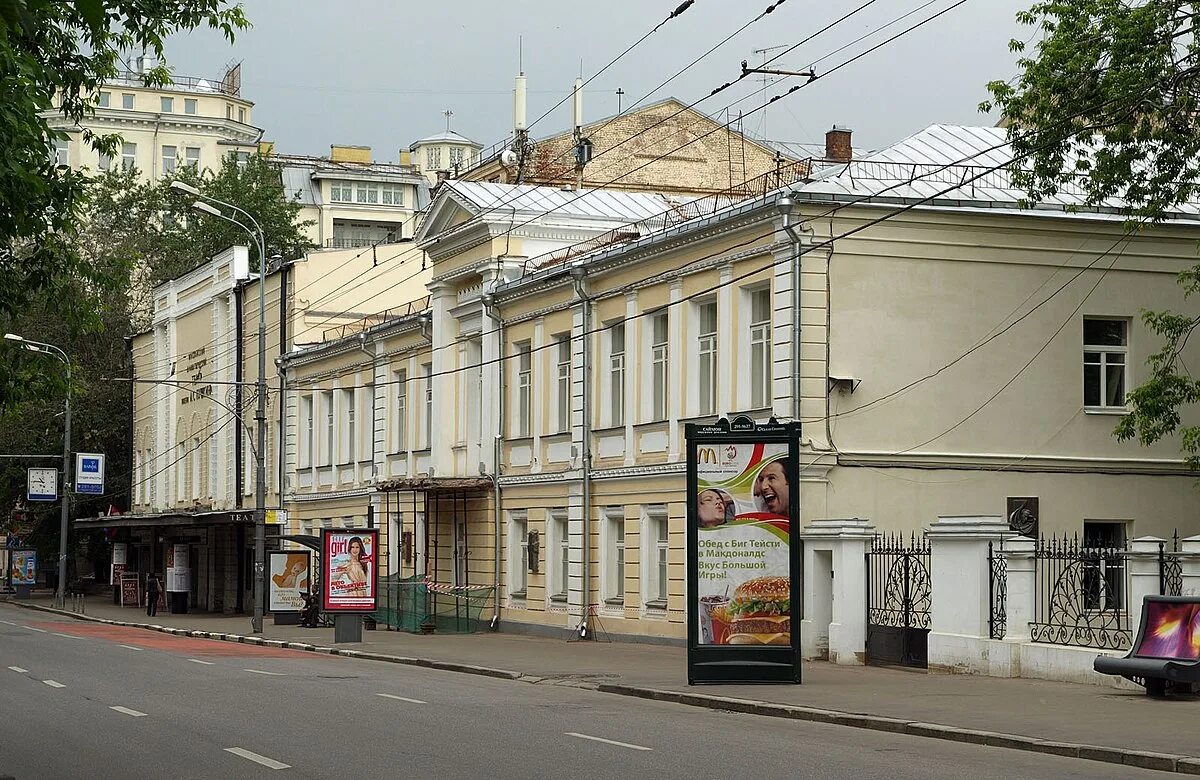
(89, 473)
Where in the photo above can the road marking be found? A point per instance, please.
(198, 661)
(67, 636)
(54, 684)
(127, 711)
(130, 647)
(259, 671)
(269, 763)
(39, 630)
(401, 698)
(608, 741)
(8, 622)
(18, 669)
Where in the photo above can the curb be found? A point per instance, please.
(1163, 762)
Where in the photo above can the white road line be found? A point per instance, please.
(198, 661)
(18, 669)
(8, 622)
(130, 647)
(67, 636)
(127, 711)
(401, 698)
(260, 671)
(54, 684)
(269, 763)
(39, 630)
(608, 741)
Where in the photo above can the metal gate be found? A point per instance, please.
(898, 601)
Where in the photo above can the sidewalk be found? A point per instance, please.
(1044, 714)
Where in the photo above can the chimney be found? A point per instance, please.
(405, 157)
(266, 148)
(837, 144)
(350, 154)
(442, 176)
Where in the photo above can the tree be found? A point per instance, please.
(54, 54)
(1108, 101)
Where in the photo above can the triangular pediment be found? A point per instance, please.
(448, 211)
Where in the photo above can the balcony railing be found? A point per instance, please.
(183, 83)
(371, 320)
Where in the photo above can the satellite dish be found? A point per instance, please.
(508, 158)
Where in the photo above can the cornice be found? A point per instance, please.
(1061, 464)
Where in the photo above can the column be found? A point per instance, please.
(835, 593)
(960, 602)
(1143, 563)
(1020, 556)
(441, 453)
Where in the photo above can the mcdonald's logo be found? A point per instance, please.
(706, 455)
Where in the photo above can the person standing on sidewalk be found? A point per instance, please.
(152, 589)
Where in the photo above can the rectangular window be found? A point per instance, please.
(127, 100)
(167, 105)
(392, 194)
(518, 558)
(341, 192)
(1105, 354)
(1103, 571)
(616, 374)
(427, 433)
(306, 431)
(614, 522)
(104, 99)
(524, 388)
(195, 456)
(401, 410)
(433, 158)
(456, 156)
(367, 193)
(562, 380)
(192, 155)
(366, 440)
(189, 105)
(62, 151)
(242, 115)
(350, 434)
(128, 156)
(228, 111)
(706, 344)
(760, 348)
(330, 428)
(654, 553)
(659, 356)
(562, 544)
(168, 158)
(105, 162)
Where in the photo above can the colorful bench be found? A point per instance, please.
(1167, 649)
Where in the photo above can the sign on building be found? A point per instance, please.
(41, 484)
(743, 552)
(179, 571)
(89, 473)
(287, 578)
(349, 573)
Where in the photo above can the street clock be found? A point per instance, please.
(42, 484)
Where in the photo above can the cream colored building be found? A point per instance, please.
(191, 121)
(444, 155)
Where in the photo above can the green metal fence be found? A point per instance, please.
(410, 604)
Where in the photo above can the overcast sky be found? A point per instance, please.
(379, 73)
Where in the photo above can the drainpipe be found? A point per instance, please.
(785, 206)
(238, 375)
(493, 312)
(578, 275)
(283, 350)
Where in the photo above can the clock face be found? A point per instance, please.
(43, 484)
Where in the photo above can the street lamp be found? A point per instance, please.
(50, 349)
(205, 205)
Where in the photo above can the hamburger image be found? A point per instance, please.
(760, 612)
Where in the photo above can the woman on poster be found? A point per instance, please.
(354, 571)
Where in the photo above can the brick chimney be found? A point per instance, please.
(837, 144)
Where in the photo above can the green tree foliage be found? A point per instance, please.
(1107, 101)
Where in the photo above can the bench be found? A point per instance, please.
(1166, 651)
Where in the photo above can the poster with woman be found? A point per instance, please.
(348, 569)
(743, 510)
(287, 580)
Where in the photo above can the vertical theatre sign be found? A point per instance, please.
(349, 576)
(743, 552)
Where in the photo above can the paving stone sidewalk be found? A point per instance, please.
(1048, 712)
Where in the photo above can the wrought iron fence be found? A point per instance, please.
(1170, 569)
(997, 592)
(901, 592)
(1081, 595)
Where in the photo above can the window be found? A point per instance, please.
(1105, 349)
(127, 100)
(195, 456)
(168, 157)
(392, 194)
(1103, 557)
(104, 99)
(327, 406)
(518, 558)
(614, 548)
(367, 193)
(433, 157)
(616, 374)
(427, 433)
(241, 157)
(192, 155)
(62, 151)
(349, 440)
(367, 440)
(341, 192)
(306, 431)
(401, 410)
(167, 105)
(562, 380)
(524, 386)
(760, 348)
(189, 105)
(228, 111)
(128, 156)
(456, 156)
(242, 115)
(707, 344)
(562, 548)
(105, 162)
(658, 366)
(654, 553)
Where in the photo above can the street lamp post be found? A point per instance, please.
(204, 204)
(50, 349)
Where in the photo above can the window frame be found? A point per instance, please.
(660, 366)
(615, 556)
(166, 104)
(562, 382)
(307, 429)
(104, 99)
(128, 155)
(1103, 353)
(347, 437)
(524, 418)
(128, 101)
(656, 550)
(518, 555)
(760, 342)
(707, 357)
(427, 432)
(400, 407)
(616, 370)
(560, 546)
(190, 105)
(173, 157)
(329, 430)
(190, 159)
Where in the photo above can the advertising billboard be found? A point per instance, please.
(287, 578)
(743, 555)
(23, 567)
(349, 558)
(120, 555)
(89, 473)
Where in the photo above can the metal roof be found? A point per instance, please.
(447, 136)
(597, 204)
(300, 173)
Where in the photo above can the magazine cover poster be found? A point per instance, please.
(743, 507)
(287, 578)
(348, 569)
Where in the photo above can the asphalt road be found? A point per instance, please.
(80, 700)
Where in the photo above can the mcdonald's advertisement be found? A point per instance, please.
(348, 569)
(742, 515)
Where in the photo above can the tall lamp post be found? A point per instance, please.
(53, 351)
(204, 204)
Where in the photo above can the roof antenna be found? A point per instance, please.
(521, 54)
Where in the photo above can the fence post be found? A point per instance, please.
(1144, 577)
(834, 625)
(1189, 558)
(960, 580)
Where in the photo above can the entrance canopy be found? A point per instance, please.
(168, 519)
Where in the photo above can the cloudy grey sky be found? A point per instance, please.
(380, 72)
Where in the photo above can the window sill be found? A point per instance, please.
(1106, 411)
(518, 595)
(618, 601)
(558, 598)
